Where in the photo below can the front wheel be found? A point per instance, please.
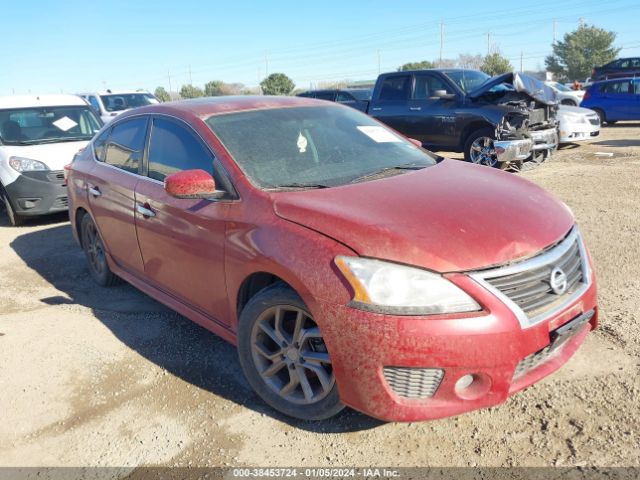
(284, 357)
(479, 148)
(14, 219)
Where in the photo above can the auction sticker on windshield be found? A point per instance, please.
(64, 123)
(378, 134)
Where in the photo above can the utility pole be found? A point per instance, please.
(488, 43)
(169, 77)
(554, 30)
(378, 61)
(441, 42)
(190, 79)
(266, 64)
(521, 54)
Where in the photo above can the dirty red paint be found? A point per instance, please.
(196, 254)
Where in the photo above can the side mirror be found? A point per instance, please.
(442, 94)
(191, 184)
(417, 143)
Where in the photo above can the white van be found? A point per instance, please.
(111, 103)
(39, 135)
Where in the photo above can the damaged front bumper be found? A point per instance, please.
(544, 139)
(513, 150)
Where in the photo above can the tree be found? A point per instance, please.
(466, 60)
(277, 84)
(581, 50)
(189, 91)
(214, 88)
(496, 64)
(423, 65)
(162, 95)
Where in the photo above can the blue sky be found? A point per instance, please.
(74, 46)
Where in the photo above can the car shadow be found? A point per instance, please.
(160, 335)
(622, 143)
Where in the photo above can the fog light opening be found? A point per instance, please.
(472, 386)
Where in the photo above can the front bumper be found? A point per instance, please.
(513, 150)
(578, 131)
(488, 346)
(38, 193)
(544, 139)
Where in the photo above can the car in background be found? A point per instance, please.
(348, 265)
(39, 135)
(577, 124)
(614, 100)
(357, 98)
(622, 67)
(111, 103)
(566, 95)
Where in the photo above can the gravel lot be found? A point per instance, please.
(109, 377)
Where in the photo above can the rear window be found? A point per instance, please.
(395, 88)
(617, 87)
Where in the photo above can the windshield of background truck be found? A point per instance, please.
(36, 125)
(124, 101)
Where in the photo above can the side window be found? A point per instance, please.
(94, 103)
(325, 96)
(174, 148)
(426, 85)
(623, 87)
(126, 144)
(99, 144)
(395, 88)
(345, 97)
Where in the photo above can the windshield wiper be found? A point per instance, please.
(298, 185)
(41, 141)
(382, 171)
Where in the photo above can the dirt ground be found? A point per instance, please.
(109, 377)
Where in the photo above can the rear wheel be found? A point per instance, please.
(14, 218)
(601, 115)
(284, 357)
(479, 148)
(95, 253)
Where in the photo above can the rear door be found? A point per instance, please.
(389, 104)
(182, 240)
(111, 185)
(619, 99)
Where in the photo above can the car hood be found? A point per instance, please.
(53, 155)
(579, 110)
(521, 83)
(449, 217)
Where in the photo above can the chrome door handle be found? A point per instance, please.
(144, 211)
(95, 191)
(415, 108)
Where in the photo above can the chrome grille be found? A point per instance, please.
(414, 383)
(526, 286)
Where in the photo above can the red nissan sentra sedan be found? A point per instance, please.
(349, 266)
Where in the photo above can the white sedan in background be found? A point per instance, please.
(577, 124)
(566, 96)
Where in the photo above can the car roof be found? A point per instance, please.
(619, 79)
(114, 92)
(208, 106)
(47, 100)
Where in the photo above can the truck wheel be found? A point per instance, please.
(96, 256)
(14, 219)
(283, 355)
(479, 148)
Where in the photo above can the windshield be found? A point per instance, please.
(123, 101)
(35, 125)
(361, 94)
(468, 80)
(313, 146)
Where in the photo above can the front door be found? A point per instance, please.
(182, 240)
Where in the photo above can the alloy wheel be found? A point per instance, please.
(483, 152)
(290, 355)
(94, 248)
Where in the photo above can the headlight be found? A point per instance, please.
(26, 164)
(396, 289)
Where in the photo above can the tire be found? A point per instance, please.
(283, 356)
(94, 251)
(481, 139)
(14, 219)
(601, 115)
